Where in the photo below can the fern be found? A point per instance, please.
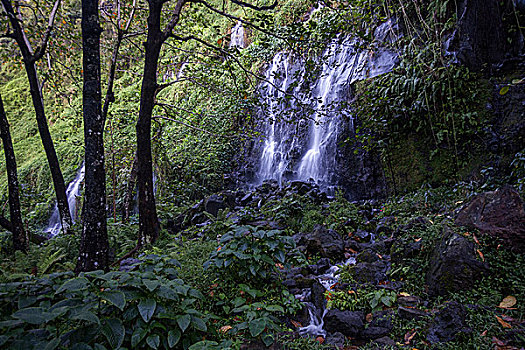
(49, 259)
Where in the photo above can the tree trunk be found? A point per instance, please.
(20, 237)
(94, 245)
(128, 199)
(148, 220)
(38, 104)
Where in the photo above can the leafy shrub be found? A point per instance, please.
(148, 307)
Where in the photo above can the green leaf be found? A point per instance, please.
(275, 308)
(86, 315)
(267, 339)
(198, 324)
(183, 321)
(32, 315)
(153, 341)
(114, 332)
(173, 337)
(147, 308)
(151, 284)
(204, 345)
(137, 336)
(116, 298)
(195, 293)
(73, 285)
(53, 344)
(504, 90)
(257, 326)
(25, 301)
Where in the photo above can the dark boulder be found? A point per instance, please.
(453, 265)
(336, 339)
(409, 313)
(380, 326)
(404, 249)
(367, 255)
(498, 213)
(323, 241)
(349, 323)
(370, 272)
(213, 204)
(318, 298)
(447, 323)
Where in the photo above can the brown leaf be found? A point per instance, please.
(369, 318)
(503, 323)
(476, 239)
(509, 301)
(296, 324)
(498, 342)
(410, 334)
(484, 333)
(480, 254)
(225, 329)
(320, 339)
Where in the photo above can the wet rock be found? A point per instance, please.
(246, 199)
(213, 204)
(498, 213)
(410, 313)
(367, 255)
(322, 265)
(404, 249)
(453, 265)
(370, 272)
(336, 339)
(363, 236)
(318, 298)
(349, 323)
(380, 326)
(409, 301)
(447, 323)
(323, 241)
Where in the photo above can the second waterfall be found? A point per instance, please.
(305, 114)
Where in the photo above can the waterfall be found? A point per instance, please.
(304, 114)
(237, 36)
(72, 192)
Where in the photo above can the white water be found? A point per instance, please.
(328, 280)
(73, 191)
(237, 36)
(301, 145)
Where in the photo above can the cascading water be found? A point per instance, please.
(72, 192)
(237, 36)
(302, 119)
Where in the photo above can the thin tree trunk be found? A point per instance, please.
(148, 220)
(20, 237)
(128, 199)
(30, 58)
(94, 244)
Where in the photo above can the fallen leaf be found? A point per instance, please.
(480, 254)
(280, 266)
(404, 294)
(417, 239)
(352, 251)
(484, 333)
(320, 339)
(369, 318)
(503, 323)
(509, 301)
(379, 256)
(504, 90)
(476, 239)
(225, 329)
(296, 324)
(410, 334)
(498, 342)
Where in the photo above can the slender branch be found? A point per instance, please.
(174, 20)
(186, 124)
(42, 48)
(253, 7)
(243, 21)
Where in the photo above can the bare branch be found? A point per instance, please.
(42, 48)
(253, 7)
(174, 20)
(243, 21)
